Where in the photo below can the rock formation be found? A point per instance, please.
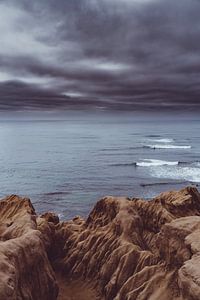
(25, 271)
(127, 249)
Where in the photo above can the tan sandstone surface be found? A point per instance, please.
(126, 249)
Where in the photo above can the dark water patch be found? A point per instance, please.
(163, 183)
(194, 184)
(114, 154)
(134, 164)
(184, 163)
(56, 193)
(122, 148)
(153, 136)
(110, 149)
(26, 162)
(135, 147)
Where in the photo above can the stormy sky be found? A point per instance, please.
(102, 54)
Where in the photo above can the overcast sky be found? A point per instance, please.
(103, 54)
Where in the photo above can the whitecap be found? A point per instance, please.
(61, 215)
(163, 140)
(156, 162)
(191, 174)
(164, 146)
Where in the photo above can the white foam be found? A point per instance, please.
(163, 140)
(184, 173)
(60, 215)
(163, 146)
(155, 162)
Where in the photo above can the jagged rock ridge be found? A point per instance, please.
(127, 249)
(25, 270)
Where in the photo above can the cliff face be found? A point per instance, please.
(126, 249)
(137, 249)
(25, 271)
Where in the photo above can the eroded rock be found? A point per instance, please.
(25, 271)
(127, 249)
(136, 249)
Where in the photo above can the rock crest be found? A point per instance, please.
(126, 249)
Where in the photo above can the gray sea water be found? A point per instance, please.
(66, 165)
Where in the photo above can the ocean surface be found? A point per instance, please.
(65, 165)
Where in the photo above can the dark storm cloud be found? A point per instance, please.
(116, 54)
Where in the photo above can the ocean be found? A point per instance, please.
(66, 164)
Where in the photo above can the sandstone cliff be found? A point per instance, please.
(25, 271)
(126, 249)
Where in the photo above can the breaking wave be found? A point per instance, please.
(156, 162)
(191, 174)
(167, 146)
(163, 140)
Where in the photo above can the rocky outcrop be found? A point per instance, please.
(25, 271)
(127, 249)
(136, 249)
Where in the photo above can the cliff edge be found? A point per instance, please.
(126, 249)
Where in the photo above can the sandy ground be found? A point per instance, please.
(76, 290)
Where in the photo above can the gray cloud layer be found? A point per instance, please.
(116, 54)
